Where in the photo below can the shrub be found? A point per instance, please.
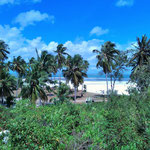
(43, 127)
(127, 123)
(121, 123)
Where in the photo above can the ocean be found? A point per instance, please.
(96, 77)
(91, 77)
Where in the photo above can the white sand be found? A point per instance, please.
(99, 87)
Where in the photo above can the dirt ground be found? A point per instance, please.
(80, 98)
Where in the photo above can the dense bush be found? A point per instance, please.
(127, 123)
(5, 115)
(121, 123)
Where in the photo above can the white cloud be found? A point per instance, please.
(12, 36)
(84, 48)
(51, 46)
(30, 17)
(121, 3)
(3, 2)
(98, 31)
(20, 45)
(27, 49)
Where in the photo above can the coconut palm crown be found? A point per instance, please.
(106, 57)
(142, 55)
(3, 50)
(75, 71)
(35, 84)
(7, 85)
(61, 52)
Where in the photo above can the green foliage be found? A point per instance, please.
(127, 122)
(38, 128)
(106, 58)
(121, 123)
(18, 65)
(76, 70)
(34, 85)
(62, 93)
(142, 53)
(7, 85)
(7, 81)
(45, 62)
(60, 57)
(5, 115)
(36, 81)
(141, 77)
(140, 63)
(119, 66)
(3, 50)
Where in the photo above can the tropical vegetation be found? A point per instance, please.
(106, 58)
(30, 120)
(75, 72)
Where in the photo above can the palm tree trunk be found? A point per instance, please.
(82, 89)
(17, 87)
(75, 94)
(60, 77)
(114, 84)
(107, 84)
(2, 96)
(111, 83)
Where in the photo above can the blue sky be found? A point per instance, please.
(81, 25)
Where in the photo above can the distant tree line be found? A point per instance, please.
(35, 76)
(114, 62)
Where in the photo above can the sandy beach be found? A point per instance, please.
(99, 87)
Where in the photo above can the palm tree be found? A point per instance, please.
(140, 63)
(3, 50)
(47, 62)
(142, 55)
(105, 58)
(85, 67)
(118, 69)
(74, 73)
(82, 64)
(7, 85)
(54, 66)
(3, 54)
(35, 84)
(37, 77)
(18, 65)
(61, 52)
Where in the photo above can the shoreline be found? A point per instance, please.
(99, 87)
